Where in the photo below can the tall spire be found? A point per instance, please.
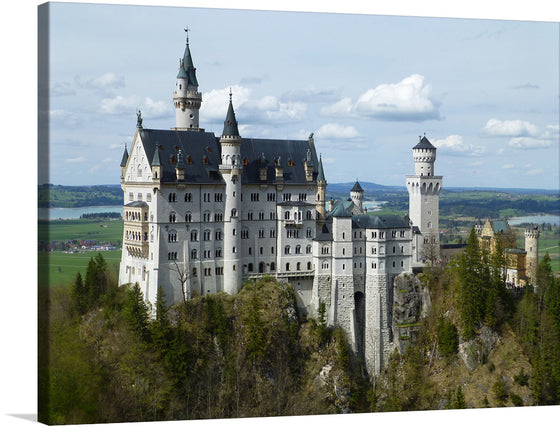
(320, 172)
(186, 98)
(124, 157)
(186, 67)
(230, 124)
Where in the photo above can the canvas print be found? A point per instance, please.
(253, 214)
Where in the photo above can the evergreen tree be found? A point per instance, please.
(79, 296)
(471, 282)
(161, 326)
(135, 311)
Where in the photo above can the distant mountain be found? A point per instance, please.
(344, 187)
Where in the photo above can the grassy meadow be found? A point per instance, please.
(60, 268)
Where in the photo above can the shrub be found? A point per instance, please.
(516, 399)
(521, 378)
(447, 337)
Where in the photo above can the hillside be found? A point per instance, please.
(251, 354)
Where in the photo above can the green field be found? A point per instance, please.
(104, 231)
(59, 268)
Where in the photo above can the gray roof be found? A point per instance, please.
(424, 144)
(195, 146)
(266, 153)
(136, 204)
(357, 188)
(230, 123)
(341, 208)
(321, 173)
(124, 157)
(325, 234)
(376, 221)
(186, 68)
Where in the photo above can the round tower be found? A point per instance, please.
(424, 154)
(231, 168)
(357, 195)
(532, 235)
(186, 97)
(423, 203)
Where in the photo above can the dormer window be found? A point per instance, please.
(244, 161)
(189, 160)
(205, 160)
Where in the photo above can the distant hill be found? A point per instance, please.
(62, 196)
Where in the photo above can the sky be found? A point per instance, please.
(490, 70)
(484, 92)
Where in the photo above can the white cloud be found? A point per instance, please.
(340, 108)
(119, 105)
(408, 100)
(508, 166)
(533, 172)
(513, 128)
(215, 102)
(128, 105)
(454, 144)
(76, 159)
(525, 143)
(104, 82)
(336, 131)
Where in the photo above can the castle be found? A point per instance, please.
(521, 265)
(203, 214)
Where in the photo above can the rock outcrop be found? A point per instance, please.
(411, 302)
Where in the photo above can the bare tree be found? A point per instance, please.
(431, 250)
(184, 276)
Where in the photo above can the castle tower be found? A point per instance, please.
(231, 169)
(532, 248)
(321, 194)
(423, 190)
(357, 195)
(186, 97)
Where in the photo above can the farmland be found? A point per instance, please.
(59, 267)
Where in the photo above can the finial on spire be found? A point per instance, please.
(230, 94)
(139, 118)
(187, 29)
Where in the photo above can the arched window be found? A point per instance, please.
(309, 265)
(287, 250)
(298, 266)
(194, 272)
(298, 249)
(287, 215)
(287, 266)
(272, 266)
(250, 267)
(172, 217)
(234, 212)
(188, 217)
(194, 254)
(194, 236)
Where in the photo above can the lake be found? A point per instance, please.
(536, 219)
(75, 213)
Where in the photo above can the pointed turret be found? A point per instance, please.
(186, 68)
(320, 203)
(124, 161)
(124, 157)
(321, 173)
(357, 194)
(186, 98)
(156, 166)
(231, 130)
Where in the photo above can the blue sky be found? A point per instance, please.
(485, 92)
